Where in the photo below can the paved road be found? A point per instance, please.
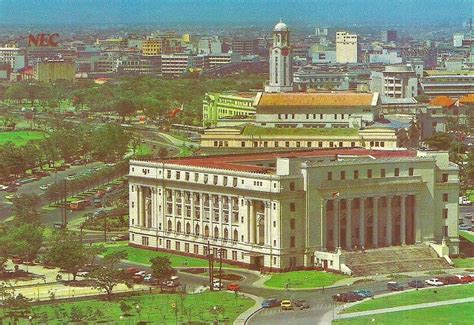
(33, 187)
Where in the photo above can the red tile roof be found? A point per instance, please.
(237, 162)
(315, 99)
(467, 99)
(443, 101)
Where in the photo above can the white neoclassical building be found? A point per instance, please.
(294, 209)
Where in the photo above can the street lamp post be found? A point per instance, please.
(373, 288)
(137, 307)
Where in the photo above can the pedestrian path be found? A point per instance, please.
(242, 318)
(403, 308)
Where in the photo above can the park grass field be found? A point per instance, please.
(152, 309)
(143, 256)
(458, 314)
(414, 297)
(20, 138)
(469, 235)
(303, 279)
(143, 150)
(466, 263)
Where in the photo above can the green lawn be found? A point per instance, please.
(414, 297)
(470, 195)
(154, 308)
(143, 150)
(466, 263)
(469, 235)
(255, 130)
(303, 279)
(143, 256)
(453, 314)
(20, 138)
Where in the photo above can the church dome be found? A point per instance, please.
(280, 27)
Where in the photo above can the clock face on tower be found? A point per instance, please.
(285, 51)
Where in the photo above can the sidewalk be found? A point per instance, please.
(242, 318)
(403, 308)
(351, 280)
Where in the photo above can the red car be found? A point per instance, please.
(464, 279)
(233, 287)
(450, 280)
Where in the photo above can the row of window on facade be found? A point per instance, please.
(355, 174)
(314, 116)
(299, 144)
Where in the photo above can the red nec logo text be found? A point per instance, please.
(43, 40)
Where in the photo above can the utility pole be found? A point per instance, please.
(211, 266)
(64, 204)
(105, 228)
(220, 268)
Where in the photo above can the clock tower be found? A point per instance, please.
(281, 65)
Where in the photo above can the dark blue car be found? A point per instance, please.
(272, 302)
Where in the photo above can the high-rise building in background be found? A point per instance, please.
(281, 68)
(458, 38)
(321, 31)
(389, 36)
(347, 47)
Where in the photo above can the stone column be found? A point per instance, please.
(142, 208)
(323, 224)
(201, 209)
(375, 222)
(417, 222)
(268, 222)
(362, 222)
(139, 191)
(389, 221)
(403, 219)
(253, 222)
(336, 223)
(348, 224)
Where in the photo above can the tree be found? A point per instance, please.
(439, 141)
(108, 276)
(124, 107)
(25, 209)
(163, 152)
(24, 240)
(68, 253)
(161, 268)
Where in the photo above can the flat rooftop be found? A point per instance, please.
(248, 162)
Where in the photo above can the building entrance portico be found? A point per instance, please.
(370, 222)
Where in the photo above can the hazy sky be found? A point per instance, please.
(238, 12)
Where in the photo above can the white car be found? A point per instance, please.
(434, 282)
(44, 187)
(83, 274)
(147, 277)
(3, 187)
(141, 273)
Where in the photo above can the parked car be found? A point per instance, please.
(140, 273)
(394, 286)
(233, 287)
(435, 282)
(363, 293)
(217, 285)
(450, 280)
(3, 187)
(465, 227)
(301, 304)
(83, 274)
(271, 302)
(44, 187)
(416, 284)
(346, 297)
(132, 270)
(148, 277)
(286, 305)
